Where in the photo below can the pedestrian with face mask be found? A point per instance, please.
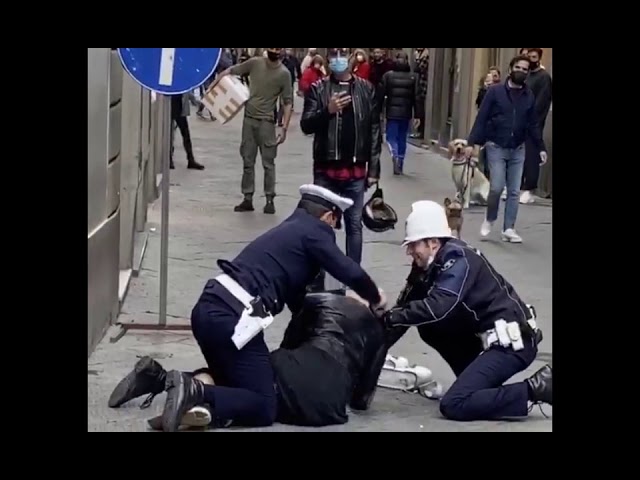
(475, 319)
(360, 64)
(539, 81)
(269, 81)
(343, 114)
(506, 119)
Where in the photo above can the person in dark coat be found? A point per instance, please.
(343, 114)
(400, 89)
(539, 81)
(228, 320)
(379, 66)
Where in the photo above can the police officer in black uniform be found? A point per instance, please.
(473, 317)
(235, 307)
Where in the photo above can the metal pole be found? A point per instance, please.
(164, 227)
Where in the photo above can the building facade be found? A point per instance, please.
(128, 138)
(455, 75)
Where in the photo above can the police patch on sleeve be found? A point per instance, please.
(449, 265)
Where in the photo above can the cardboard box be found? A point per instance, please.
(227, 99)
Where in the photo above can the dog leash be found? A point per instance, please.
(469, 173)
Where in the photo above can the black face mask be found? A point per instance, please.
(518, 77)
(273, 56)
(534, 65)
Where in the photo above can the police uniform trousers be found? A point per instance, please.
(244, 391)
(479, 392)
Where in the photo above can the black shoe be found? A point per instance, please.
(183, 393)
(541, 386)
(269, 208)
(245, 206)
(147, 378)
(193, 165)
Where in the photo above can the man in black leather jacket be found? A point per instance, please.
(343, 114)
(400, 88)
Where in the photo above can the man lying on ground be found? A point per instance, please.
(331, 357)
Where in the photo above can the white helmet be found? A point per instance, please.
(427, 220)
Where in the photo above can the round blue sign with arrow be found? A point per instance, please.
(170, 71)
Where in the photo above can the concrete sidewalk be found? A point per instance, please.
(205, 228)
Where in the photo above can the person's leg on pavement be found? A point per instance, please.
(479, 392)
(248, 398)
(531, 174)
(391, 136)
(249, 153)
(403, 133)
(183, 125)
(354, 190)
(172, 139)
(268, 144)
(496, 158)
(515, 165)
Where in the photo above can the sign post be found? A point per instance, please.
(168, 71)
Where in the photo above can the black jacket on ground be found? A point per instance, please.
(400, 88)
(327, 128)
(331, 357)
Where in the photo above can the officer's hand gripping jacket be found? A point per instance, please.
(349, 332)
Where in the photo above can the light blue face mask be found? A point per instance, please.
(339, 64)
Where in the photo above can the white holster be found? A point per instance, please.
(508, 334)
(250, 325)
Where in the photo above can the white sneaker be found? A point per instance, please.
(504, 194)
(511, 236)
(526, 198)
(197, 417)
(485, 231)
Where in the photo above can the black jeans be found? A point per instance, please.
(354, 190)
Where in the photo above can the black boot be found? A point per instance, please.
(245, 206)
(183, 393)
(270, 207)
(147, 378)
(541, 386)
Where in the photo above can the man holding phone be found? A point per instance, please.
(343, 114)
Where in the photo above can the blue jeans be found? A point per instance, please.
(354, 190)
(506, 166)
(397, 132)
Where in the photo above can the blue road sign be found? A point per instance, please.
(170, 71)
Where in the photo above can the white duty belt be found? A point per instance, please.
(248, 326)
(508, 334)
(236, 290)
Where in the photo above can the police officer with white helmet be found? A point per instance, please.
(473, 317)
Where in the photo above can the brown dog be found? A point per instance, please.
(454, 216)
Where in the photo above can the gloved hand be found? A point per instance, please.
(389, 319)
